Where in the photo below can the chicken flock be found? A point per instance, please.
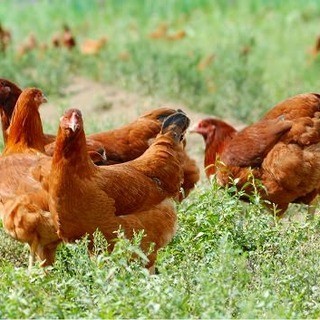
(62, 39)
(67, 39)
(59, 188)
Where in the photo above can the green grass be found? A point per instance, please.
(228, 259)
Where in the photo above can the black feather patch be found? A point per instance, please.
(178, 123)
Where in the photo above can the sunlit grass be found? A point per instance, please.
(228, 259)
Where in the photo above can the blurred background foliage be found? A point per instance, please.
(228, 58)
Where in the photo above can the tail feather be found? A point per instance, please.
(177, 123)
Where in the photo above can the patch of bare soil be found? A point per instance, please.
(104, 102)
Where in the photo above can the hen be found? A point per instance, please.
(160, 32)
(28, 45)
(92, 47)
(314, 51)
(64, 39)
(134, 195)
(5, 38)
(24, 203)
(26, 118)
(132, 140)
(282, 151)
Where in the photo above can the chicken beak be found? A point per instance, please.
(44, 99)
(39, 99)
(73, 122)
(194, 129)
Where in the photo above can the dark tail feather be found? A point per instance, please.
(178, 123)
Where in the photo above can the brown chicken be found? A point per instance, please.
(65, 39)
(132, 140)
(160, 32)
(28, 45)
(9, 94)
(178, 35)
(92, 47)
(68, 39)
(134, 195)
(24, 203)
(282, 151)
(315, 50)
(26, 118)
(5, 38)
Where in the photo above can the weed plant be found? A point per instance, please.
(228, 260)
